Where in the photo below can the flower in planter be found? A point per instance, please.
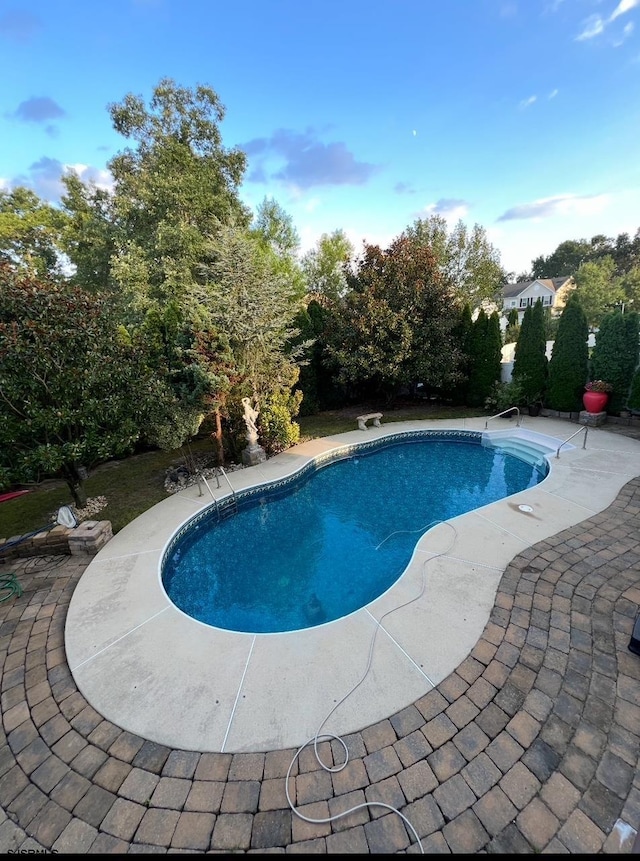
(598, 386)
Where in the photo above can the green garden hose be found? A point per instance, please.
(9, 586)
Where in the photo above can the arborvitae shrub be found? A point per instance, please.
(530, 359)
(569, 364)
(615, 356)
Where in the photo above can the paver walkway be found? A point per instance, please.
(531, 745)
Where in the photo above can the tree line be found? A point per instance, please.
(143, 314)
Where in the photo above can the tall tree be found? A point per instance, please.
(89, 235)
(325, 266)
(530, 357)
(172, 189)
(615, 356)
(486, 357)
(246, 296)
(466, 260)
(569, 363)
(30, 233)
(463, 334)
(397, 322)
(275, 232)
(598, 288)
(564, 261)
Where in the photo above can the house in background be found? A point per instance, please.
(553, 292)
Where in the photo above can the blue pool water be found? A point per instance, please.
(326, 543)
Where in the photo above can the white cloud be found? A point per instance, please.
(451, 209)
(560, 204)
(553, 94)
(626, 32)
(622, 7)
(100, 178)
(593, 26)
(525, 103)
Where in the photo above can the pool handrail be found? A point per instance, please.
(497, 416)
(584, 428)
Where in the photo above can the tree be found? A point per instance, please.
(486, 357)
(325, 266)
(597, 288)
(276, 234)
(570, 255)
(172, 191)
(30, 233)
(615, 356)
(246, 297)
(466, 260)
(564, 261)
(626, 252)
(530, 358)
(397, 322)
(630, 285)
(275, 227)
(463, 335)
(569, 363)
(89, 235)
(74, 391)
(512, 330)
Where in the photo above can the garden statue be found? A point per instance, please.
(253, 453)
(250, 416)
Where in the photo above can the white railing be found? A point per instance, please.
(584, 442)
(504, 412)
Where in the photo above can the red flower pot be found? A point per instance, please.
(595, 402)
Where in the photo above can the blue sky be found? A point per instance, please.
(520, 115)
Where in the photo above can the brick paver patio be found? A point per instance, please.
(531, 745)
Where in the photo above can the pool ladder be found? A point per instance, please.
(226, 507)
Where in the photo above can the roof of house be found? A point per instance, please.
(554, 284)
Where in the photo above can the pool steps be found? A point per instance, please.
(527, 445)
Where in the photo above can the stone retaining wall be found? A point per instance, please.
(85, 539)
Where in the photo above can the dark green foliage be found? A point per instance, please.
(486, 346)
(463, 334)
(75, 392)
(530, 360)
(565, 260)
(512, 330)
(276, 428)
(569, 364)
(317, 381)
(615, 356)
(634, 394)
(571, 254)
(395, 326)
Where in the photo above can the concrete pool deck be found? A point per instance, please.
(137, 658)
(519, 732)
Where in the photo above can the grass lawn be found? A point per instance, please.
(136, 483)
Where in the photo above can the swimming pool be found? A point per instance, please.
(325, 542)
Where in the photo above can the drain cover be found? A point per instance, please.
(526, 508)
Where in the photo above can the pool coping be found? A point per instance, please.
(144, 665)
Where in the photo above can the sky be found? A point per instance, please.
(522, 116)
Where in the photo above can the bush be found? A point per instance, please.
(569, 365)
(634, 394)
(503, 396)
(277, 430)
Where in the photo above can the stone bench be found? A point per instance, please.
(362, 420)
